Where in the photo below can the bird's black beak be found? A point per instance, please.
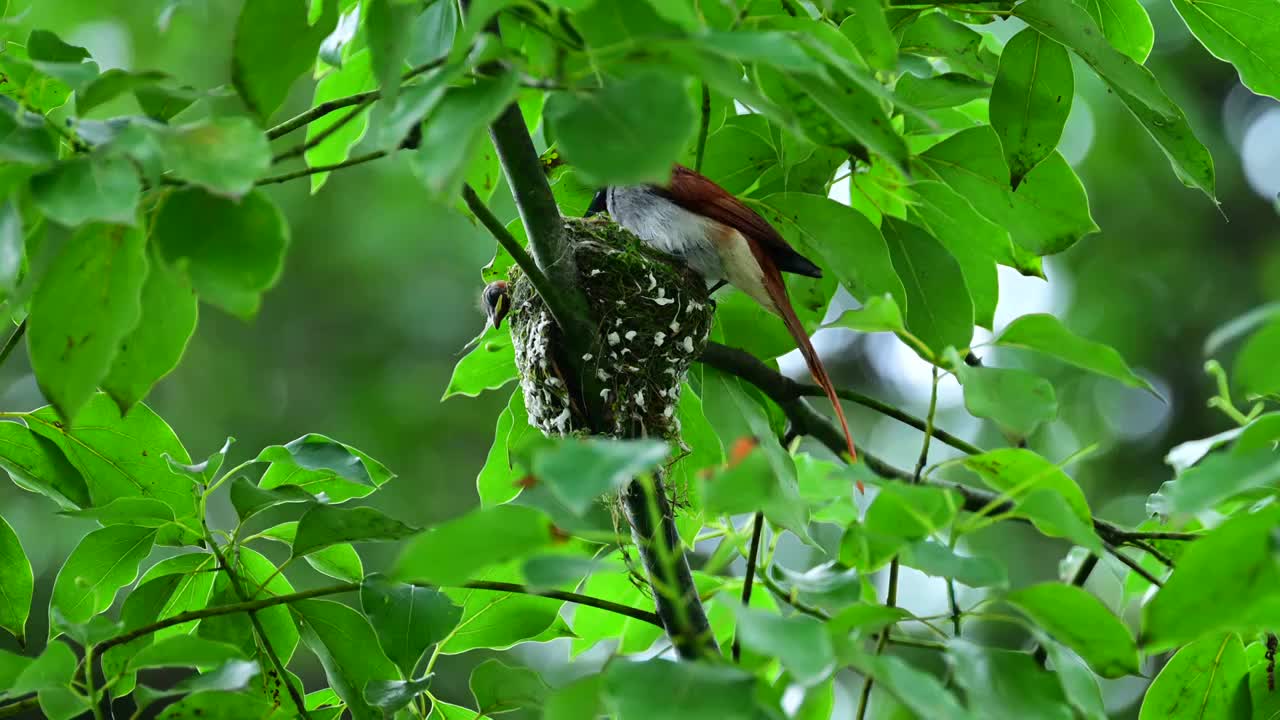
(497, 302)
(599, 203)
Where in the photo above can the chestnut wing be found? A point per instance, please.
(700, 195)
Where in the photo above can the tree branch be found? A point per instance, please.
(304, 172)
(757, 529)
(19, 707)
(808, 421)
(264, 603)
(507, 241)
(645, 500)
(306, 118)
(782, 389)
(544, 227)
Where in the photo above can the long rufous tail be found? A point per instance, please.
(779, 294)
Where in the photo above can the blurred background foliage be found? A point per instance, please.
(381, 286)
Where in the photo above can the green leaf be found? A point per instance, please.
(274, 44)
(103, 562)
(136, 511)
(877, 314)
(256, 571)
(339, 561)
(453, 133)
(498, 620)
(844, 240)
(490, 365)
(1126, 25)
(388, 24)
(52, 669)
(1048, 213)
(11, 666)
(185, 651)
(899, 515)
(407, 619)
(936, 35)
(497, 482)
(232, 251)
(688, 691)
(766, 479)
(593, 625)
(391, 695)
(322, 466)
(491, 536)
(1242, 33)
(347, 648)
(844, 116)
(1040, 491)
(1006, 685)
(1206, 679)
(500, 688)
(1265, 701)
(325, 525)
(204, 471)
(1070, 25)
(1030, 100)
(87, 189)
(919, 691)
(1078, 681)
(1081, 622)
(218, 706)
(939, 310)
(16, 585)
(1046, 334)
(609, 134)
(1016, 400)
(1221, 584)
(112, 83)
(579, 471)
(799, 642)
(355, 76)
(1255, 368)
(153, 349)
(162, 103)
(738, 153)
(36, 464)
(392, 123)
(122, 456)
(12, 246)
(230, 676)
(870, 33)
(224, 155)
(71, 342)
(939, 91)
(578, 699)
(249, 499)
(937, 560)
(188, 585)
(1217, 478)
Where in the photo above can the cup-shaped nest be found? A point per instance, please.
(652, 317)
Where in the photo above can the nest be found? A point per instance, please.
(653, 317)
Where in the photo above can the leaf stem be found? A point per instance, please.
(891, 597)
(12, 342)
(304, 172)
(757, 529)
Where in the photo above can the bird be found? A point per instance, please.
(496, 300)
(701, 224)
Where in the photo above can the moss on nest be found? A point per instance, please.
(653, 319)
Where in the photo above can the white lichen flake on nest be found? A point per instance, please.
(636, 294)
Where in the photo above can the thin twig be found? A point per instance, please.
(753, 555)
(255, 605)
(1133, 565)
(1151, 550)
(891, 598)
(12, 342)
(304, 172)
(233, 579)
(703, 128)
(19, 707)
(360, 101)
(305, 118)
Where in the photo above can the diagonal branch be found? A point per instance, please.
(264, 603)
(808, 421)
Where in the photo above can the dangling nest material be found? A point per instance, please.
(653, 318)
